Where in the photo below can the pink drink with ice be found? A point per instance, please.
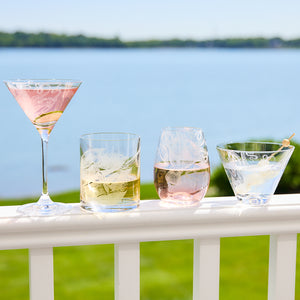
(185, 186)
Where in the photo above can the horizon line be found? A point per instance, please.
(116, 36)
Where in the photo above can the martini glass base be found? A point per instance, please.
(41, 209)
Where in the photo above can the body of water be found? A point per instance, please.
(231, 94)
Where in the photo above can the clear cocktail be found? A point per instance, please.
(254, 169)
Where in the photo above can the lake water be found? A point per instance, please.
(231, 94)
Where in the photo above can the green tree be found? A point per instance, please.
(47, 40)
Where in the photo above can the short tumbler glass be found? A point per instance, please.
(109, 171)
(181, 169)
(254, 169)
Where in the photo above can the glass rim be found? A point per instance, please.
(173, 128)
(92, 136)
(223, 147)
(42, 80)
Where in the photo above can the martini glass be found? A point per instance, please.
(43, 101)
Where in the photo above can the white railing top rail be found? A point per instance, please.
(215, 217)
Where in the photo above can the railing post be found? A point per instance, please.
(206, 269)
(127, 271)
(41, 274)
(282, 267)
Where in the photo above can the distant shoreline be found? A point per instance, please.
(21, 39)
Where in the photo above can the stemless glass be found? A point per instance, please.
(109, 171)
(181, 169)
(254, 169)
(43, 102)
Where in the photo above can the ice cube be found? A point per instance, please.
(172, 177)
(97, 165)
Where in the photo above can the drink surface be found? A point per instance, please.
(255, 183)
(181, 185)
(43, 106)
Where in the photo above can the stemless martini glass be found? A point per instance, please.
(43, 101)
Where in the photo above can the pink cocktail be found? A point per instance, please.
(181, 169)
(43, 101)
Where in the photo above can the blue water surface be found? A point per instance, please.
(231, 94)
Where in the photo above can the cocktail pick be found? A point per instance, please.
(285, 143)
(260, 177)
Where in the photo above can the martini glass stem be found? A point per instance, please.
(44, 165)
(45, 199)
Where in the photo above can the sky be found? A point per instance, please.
(160, 19)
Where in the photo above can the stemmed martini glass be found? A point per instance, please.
(43, 101)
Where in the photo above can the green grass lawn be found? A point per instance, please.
(86, 272)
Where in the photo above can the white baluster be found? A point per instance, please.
(127, 271)
(282, 267)
(206, 269)
(41, 274)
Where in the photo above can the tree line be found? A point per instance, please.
(51, 40)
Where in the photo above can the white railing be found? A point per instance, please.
(215, 218)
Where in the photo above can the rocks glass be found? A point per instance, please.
(181, 169)
(109, 171)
